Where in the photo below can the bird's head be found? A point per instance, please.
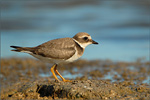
(84, 39)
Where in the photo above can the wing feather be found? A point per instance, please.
(62, 48)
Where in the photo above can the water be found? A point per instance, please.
(107, 76)
(120, 27)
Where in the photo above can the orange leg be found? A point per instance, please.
(52, 70)
(55, 69)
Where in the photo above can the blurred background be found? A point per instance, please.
(122, 28)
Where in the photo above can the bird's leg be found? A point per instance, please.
(52, 70)
(55, 69)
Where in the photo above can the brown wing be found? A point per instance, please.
(62, 48)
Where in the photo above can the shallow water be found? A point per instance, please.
(110, 75)
(120, 27)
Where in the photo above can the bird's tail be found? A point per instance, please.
(21, 49)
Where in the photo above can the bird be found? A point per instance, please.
(59, 50)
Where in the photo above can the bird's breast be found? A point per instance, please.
(76, 56)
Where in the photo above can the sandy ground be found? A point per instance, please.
(28, 78)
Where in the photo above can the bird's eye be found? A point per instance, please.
(85, 38)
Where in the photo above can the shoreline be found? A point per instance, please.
(20, 79)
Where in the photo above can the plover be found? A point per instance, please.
(59, 50)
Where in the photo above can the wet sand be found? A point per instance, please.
(28, 78)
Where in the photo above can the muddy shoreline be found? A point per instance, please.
(88, 89)
(28, 78)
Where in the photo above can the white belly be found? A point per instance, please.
(46, 59)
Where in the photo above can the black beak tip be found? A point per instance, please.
(94, 42)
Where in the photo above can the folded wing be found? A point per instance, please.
(62, 48)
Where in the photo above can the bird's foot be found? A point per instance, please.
(64, 80)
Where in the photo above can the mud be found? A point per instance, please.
(88, 89)
(31, 79)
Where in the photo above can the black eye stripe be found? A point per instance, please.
(85, 38)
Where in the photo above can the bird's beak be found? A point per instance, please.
(93, 42)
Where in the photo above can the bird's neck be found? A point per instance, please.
(79, 48)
